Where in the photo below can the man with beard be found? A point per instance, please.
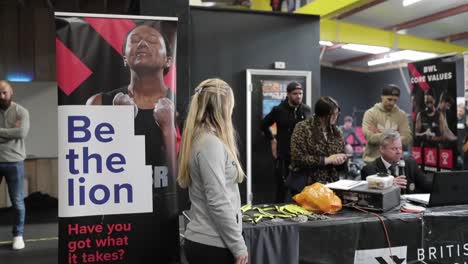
(14, 126)
(383, 116)
(286, 115)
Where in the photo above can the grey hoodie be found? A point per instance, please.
(216, 218)
(12, 148)
(378, 118)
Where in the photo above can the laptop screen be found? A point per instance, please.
(449, 188)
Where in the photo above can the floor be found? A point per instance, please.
(40, 235)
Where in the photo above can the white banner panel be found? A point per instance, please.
(101, 162)
(381, 256)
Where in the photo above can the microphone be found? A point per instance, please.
(401, 167)
(401, 171)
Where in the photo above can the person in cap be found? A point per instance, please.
(286, 115)
(382, 116)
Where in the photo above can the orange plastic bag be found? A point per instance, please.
(319, 199)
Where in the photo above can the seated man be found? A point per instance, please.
(409, 178)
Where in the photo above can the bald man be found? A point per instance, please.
(14, 126)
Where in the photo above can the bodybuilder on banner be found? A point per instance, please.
(147, 54)
(431, 126)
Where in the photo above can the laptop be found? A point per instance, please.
(448, 188)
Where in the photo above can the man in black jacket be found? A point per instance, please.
(286, 115)
(408, 176)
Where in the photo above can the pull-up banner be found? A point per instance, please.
(433, 93)
(117, 139)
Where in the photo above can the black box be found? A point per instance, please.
(371, 199)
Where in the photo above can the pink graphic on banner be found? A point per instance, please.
(112, 30)
(416, 154)
(108, 246)
(415, 73)
(430, 156)
(71, 71)
(170, 78)
(446, 158)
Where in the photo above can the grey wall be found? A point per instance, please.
(224, 43)
(40, 98)
(356, 92)
(349, 88)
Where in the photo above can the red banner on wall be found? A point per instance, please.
(416, 154)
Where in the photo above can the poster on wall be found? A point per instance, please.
(273, 92)
(117, 138)
(433, 101)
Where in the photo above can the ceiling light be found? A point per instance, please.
(366, 48)
(19, 77)
(410, 55)
(326, 43)
(382, 61)
(208, 4)
(409, 2)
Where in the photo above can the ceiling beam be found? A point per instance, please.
(342, 32)
(454, 37)
(432, 17)
(358, 9)
(327, 8)
(419, 21)
(366, 57)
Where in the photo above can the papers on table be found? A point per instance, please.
(411, 208)
(345, 184)
(422, 198)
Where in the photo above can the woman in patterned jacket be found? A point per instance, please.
(317, 147)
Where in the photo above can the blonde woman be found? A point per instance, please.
(209, 167)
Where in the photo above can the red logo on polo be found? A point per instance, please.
(416, 154)
(446, 158)
(430, 156)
